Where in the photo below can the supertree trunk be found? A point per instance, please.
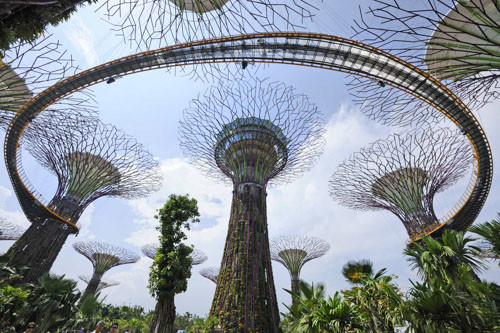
(246, 274)
(38, 247)
(295, 288)
(92, 285)
(164, 316)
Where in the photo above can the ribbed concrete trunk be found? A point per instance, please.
(92, 285)
(245, 297)
(38, 247)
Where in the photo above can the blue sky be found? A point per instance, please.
(149, 105)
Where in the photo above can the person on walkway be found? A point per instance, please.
(30, 328)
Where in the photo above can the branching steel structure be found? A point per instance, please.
(313, 50)
(251, 133)
(102, 284)
(103, 257)
(198, 257)
(28, 68)
(151, 24)
(402, 174)
(211, 273)
(90, 160)
(294, 251)
(9, 231)
(456, 41)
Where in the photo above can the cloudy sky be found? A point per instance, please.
(149, 105)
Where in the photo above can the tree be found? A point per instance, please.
(172, 265)
(490, 233)
(26, 20)
(378, 301)
(353, 271)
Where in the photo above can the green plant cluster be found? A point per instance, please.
(449, 298)
(26, 22)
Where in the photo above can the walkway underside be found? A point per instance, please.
(313, 50)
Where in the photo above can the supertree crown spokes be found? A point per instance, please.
(90, 159)
(249, 132)
(102, 284)
(402, 174)
(150, 250)
(211, 273)
(9, 231)
(105, 256)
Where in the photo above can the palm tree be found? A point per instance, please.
(308, 299)
(354, 270)
(53, 301)
(333, 315)
(378, 301)
(490, 232)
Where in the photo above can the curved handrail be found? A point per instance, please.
(306, 49)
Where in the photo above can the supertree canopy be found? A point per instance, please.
(251, 134)
(103, 257)
(28, 68)
(102, 284)
(149, 250)
(211, 273)
(90, 160)
(456, 41)
(294, 251)
(402, 174)
(152, 24)
(9, 231)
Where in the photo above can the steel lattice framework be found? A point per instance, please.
(91, 160)
(103, 257)
(211, 273)
(102, 284)
(314, 50)
(402, 174)
(250, 133)
(456, 41)
(28, 68)
(152, 23)
(9, 231)
(256, 111)
(198, 256)
(294, 251)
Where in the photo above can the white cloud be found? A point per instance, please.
(82, 38)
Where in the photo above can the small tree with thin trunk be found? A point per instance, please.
(172, 264)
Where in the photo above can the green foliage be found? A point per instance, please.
(203, 325)
(490, 233)
(172, 265)
(353, 271)
(185, 321)
(26, 23)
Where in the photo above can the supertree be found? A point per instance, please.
(103, 257)
(157, 23)
(456, 41)
(9, 231)
(28, 68)
(402, 174)
(294, 251)
(149, 250)
(102, 284)
(90, 160)
(251, 134)
(211, 273)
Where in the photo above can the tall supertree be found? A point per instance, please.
(402, 174)
(251, 134)
(211, 273)
(103, 257)
(90, 160)
(149, 250)
(456, 41)
(102, 284)
(294, 251)
(9, 231)
(28, 68)
(152, 24)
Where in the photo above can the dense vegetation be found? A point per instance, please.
(449, 296)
